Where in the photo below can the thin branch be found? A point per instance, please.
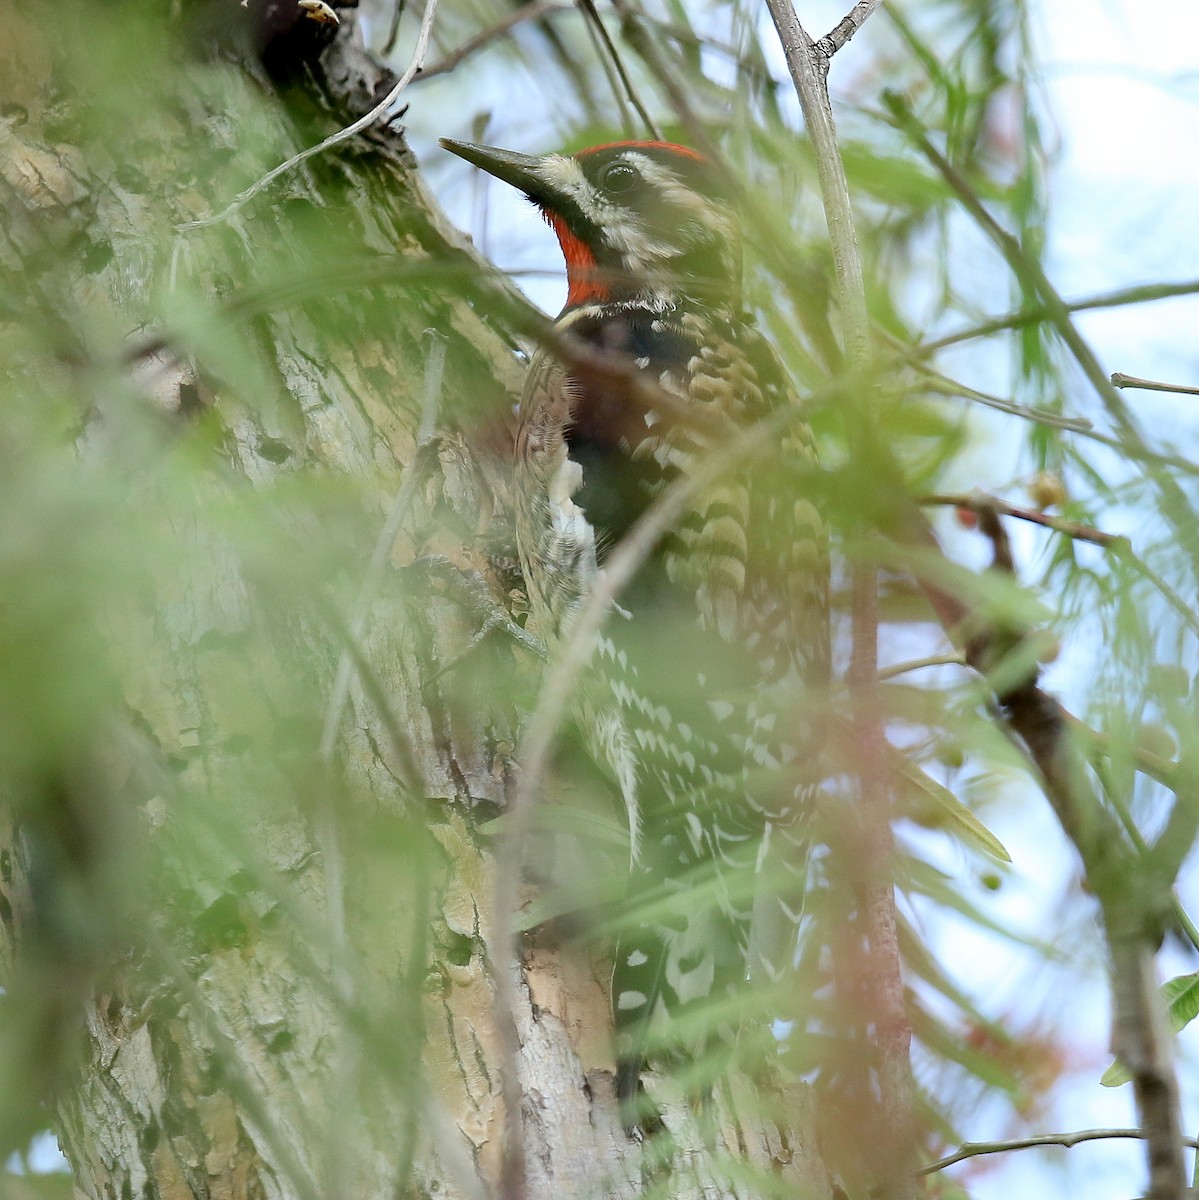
(978, 501)
(633, 28)
(845, 28)
(809, 72)
(948, 388)
(1118, 544)
(1120, 380)
(943, 385)
(977, 1149)
(914, 357)
(599, 46)
(517, 16)
(920, 664)
(382, 109)
(393, 30)
(1082, 426)
(588, 7)
(1022, 317)
(1162, 770)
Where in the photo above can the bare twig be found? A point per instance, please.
(809, 72)
(920, 664)
(517, 16)
(1040, 416)
(977, 1149)
(633, 30)
(1082, 426)
(1118, 544)
(1120, 380)
(978, 502)
(1033, 314)
(381, 110)
(393, 29)
(845, 28)
(613, 55)
(1154, 766)
(808, 66)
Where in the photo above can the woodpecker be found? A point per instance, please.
(700, 701)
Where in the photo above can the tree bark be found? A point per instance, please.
(242, 969)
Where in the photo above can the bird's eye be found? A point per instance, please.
(619, 177)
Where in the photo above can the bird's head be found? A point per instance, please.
(642, 222)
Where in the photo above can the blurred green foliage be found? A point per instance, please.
(201, 429)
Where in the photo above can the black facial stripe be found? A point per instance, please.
(577, 221)
(695, 173)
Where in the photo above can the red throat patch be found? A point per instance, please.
(582, 280)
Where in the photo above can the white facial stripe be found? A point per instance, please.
(683, 198)
(564, 176)
(666, 184)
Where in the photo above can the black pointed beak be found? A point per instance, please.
(520, 170)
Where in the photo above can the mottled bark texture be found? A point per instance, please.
(233, 968)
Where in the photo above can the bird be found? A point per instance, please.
(700, 701)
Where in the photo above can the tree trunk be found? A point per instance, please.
(238, 965)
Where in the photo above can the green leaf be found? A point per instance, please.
(1182, 996)
(898, 181)
(1115, 1075)
(939, 808)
